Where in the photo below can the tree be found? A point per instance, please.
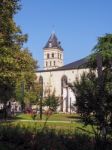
(95, 107)
(104, 48)
(94, 92)
(52, 102)
(16, 63)
(28, 94)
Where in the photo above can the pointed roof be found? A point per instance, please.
(53, 42)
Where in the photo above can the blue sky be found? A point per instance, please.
(77, 24)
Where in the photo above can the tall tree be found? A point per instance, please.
(16, 63)
(104, 48)
(94, 92)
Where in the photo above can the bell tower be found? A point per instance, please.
(53, 53)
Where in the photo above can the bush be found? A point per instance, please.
(22, 138)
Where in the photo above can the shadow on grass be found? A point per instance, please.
(21, 138)
(75, 118)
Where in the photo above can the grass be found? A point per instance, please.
(65, 122)
(24, 136)
(57, 126)
(32, 136)
(53, 117)
(23, 133)
(23, 116)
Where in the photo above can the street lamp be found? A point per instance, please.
(41, 95)
(22, 94)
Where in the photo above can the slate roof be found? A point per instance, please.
(75, 65)
(82, 63)
(53, 42)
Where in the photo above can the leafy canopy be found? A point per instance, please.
(94, 91)
(104, 48)
(51, 101)
(16, 63)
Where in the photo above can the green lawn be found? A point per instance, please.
(54, 117)
(55, 121)
(38, 125)
(21, 135)
(58, 129)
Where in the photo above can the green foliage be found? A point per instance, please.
(86, 92)
(95, 104)
(16, 63)
(104, 48)
(28, 92)
(52, 102)
(48, 139)
(94, 92)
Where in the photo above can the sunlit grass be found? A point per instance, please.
(54, 117)
(66, 122)
(38, 125)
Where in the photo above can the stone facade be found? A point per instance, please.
(53, 81)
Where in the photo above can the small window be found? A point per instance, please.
(52, 55)
(48, 55)
(46, 63)
(60, 56)
(54, 63)
(50, 63)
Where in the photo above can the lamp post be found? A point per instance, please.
(41, 97)
(22, 94)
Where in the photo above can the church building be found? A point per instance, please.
(55, 77)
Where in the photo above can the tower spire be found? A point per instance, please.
(53, 53)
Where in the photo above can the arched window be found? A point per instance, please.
(63, 85)
(52, 55)
(64, 81)
(47, 55)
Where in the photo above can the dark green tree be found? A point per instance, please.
(94, 92)
(104, 48)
